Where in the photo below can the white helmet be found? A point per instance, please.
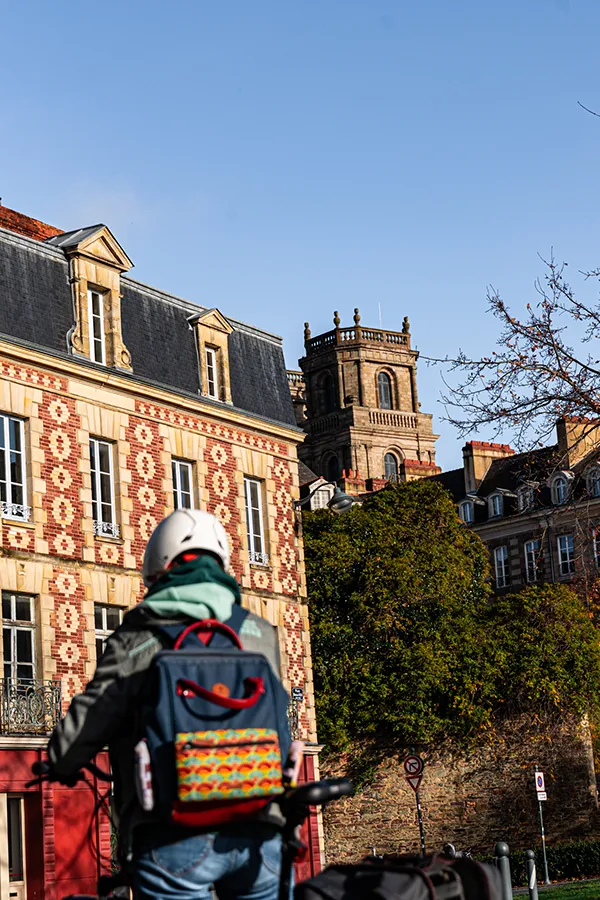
(184, 530)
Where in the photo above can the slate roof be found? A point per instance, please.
(70, 239)
(305, 475)
(454, 482)
(36, 307)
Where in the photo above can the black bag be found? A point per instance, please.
(406, 878)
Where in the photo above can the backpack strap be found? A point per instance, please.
(172, 631)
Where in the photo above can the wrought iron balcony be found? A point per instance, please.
(106, 529)
(15, 511)
(29, 706)
(258, 558)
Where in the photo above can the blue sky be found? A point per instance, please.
(282, 160)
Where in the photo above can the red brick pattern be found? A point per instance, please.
(284, 528)
(214, 429)
(68, 648)
(21, 224)
(60, 472)
(222, 494)
(146, 488)
(31, 376)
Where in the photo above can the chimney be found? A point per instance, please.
(576, 438)
(478, 457)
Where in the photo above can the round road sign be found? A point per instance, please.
(413, 765)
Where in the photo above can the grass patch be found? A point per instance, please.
(587, 891)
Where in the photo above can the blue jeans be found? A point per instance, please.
(243, 865)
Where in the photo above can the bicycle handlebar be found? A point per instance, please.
(43, 770)
(315, 793)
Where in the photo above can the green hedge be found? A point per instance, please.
(580, 859)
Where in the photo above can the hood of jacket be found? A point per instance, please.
(199, 589)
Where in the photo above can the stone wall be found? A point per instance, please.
(473, 799)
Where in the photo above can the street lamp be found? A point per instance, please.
(338, 503)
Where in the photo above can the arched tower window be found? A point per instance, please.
(390, 466)
(332, 468)
(329, 393)
(384, 388)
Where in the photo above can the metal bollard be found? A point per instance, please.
(502, 855)
(531, 874)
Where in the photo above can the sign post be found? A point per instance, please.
(540, 788)
(413, 766)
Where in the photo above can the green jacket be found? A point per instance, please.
(104, 714)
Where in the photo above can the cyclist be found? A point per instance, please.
(185, 570)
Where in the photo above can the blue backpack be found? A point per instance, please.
(214, 727)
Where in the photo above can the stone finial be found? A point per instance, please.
(405, 325)
(306, 332)
(336, 319)
(356, 317)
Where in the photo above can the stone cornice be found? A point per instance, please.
(144, 389)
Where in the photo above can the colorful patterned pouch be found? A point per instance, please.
(226, 765)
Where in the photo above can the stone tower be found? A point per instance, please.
(356, 398)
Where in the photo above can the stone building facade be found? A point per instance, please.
(356, 397)
(118, 403)
(537, 512)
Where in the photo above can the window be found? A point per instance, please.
(593, 482)
(212, 380)
(321, 497)
(560, 490)
(13, 490)
(96, 320)
(254, 522)
(466, 511)
(103, 488)
(329, 393)
(525, 496)
(496, 505)
(106, 619)
(501, 565)
(566, 554)
(596, 543)
(390, 465)
(332, 468)
(182, 484)
(384, 389)
(532, 553)
(14, 822)
(18, 632)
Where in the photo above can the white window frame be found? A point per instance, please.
(531, 551)
(14, 626)
(256, 540)
(556, 498)
(501, 566)
(566, 554)
(20, 512)
(525, 498)
(103, 528)
(593, 482)
(467, 519)
(176, 467)
(103, 634)
(493, 500)
(211, 362)
(93, 292)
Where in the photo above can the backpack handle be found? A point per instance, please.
(257, 685)
(210, 625)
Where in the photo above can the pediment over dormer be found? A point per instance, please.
(96, 243)
(212, 318)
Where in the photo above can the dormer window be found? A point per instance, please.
(466, 511)
(525, 498)
(212, 373)
(496, 505)
(212, 336)
(593, 482)
(560, 490)
(96, 320)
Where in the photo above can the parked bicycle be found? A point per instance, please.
(294, 805)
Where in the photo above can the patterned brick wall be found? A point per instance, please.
(57, 555)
